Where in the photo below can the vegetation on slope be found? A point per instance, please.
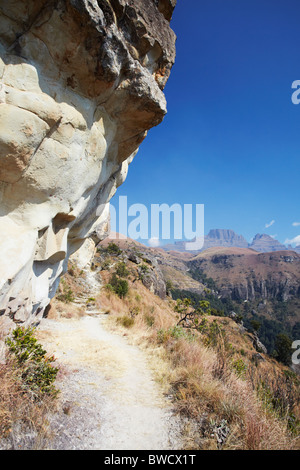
(257, 286)
(229, 396)
(27, 391)
(271, 326)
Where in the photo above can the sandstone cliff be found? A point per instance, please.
(217, 237)
(81, 84)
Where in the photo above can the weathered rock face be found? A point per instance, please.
(81, 83)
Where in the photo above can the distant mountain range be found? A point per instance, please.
(228, 238)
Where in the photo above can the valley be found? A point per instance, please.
(216, 375)
(256, 286)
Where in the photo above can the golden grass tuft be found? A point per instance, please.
(20, 414)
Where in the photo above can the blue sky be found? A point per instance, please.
(231, 138)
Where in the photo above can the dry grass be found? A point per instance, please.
(198, 372)
(59, 309)
(23, 420)
(210, 375)
(199, 392)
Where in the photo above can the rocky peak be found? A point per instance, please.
(223, 237)
(266, 243)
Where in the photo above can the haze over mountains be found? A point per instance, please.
(228, 238)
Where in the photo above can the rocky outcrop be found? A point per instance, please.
(81, 84)
(229, 238)
(258, 345)
(141, 262)
(153, 279)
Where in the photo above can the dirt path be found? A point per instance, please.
(109, 400)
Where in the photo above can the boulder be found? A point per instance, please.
(258, 345)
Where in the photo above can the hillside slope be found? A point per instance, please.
(224, 388)
(99, 407)
(243, 274)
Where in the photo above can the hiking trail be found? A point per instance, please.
(109, 399)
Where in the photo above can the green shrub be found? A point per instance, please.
(144, 268)
(169, 285)
(66, 294)
(215, 335)
(109, 288)
(283, 349)
(119, 286)
(126, 321)
(255, 325)
(122, 270)
(38, 374)
(106, 263)
(113, 249)
(163, 336)
(175, 332)
(239, 367)
(150, 320)
(191, 317)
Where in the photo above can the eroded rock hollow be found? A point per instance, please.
(81, 84)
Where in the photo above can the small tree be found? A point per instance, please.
(255, 325)
(283, 349)
(119, 286)
(113, 249)
(190, 317)
(38, 374)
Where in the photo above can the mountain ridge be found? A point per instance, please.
(262, 243)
